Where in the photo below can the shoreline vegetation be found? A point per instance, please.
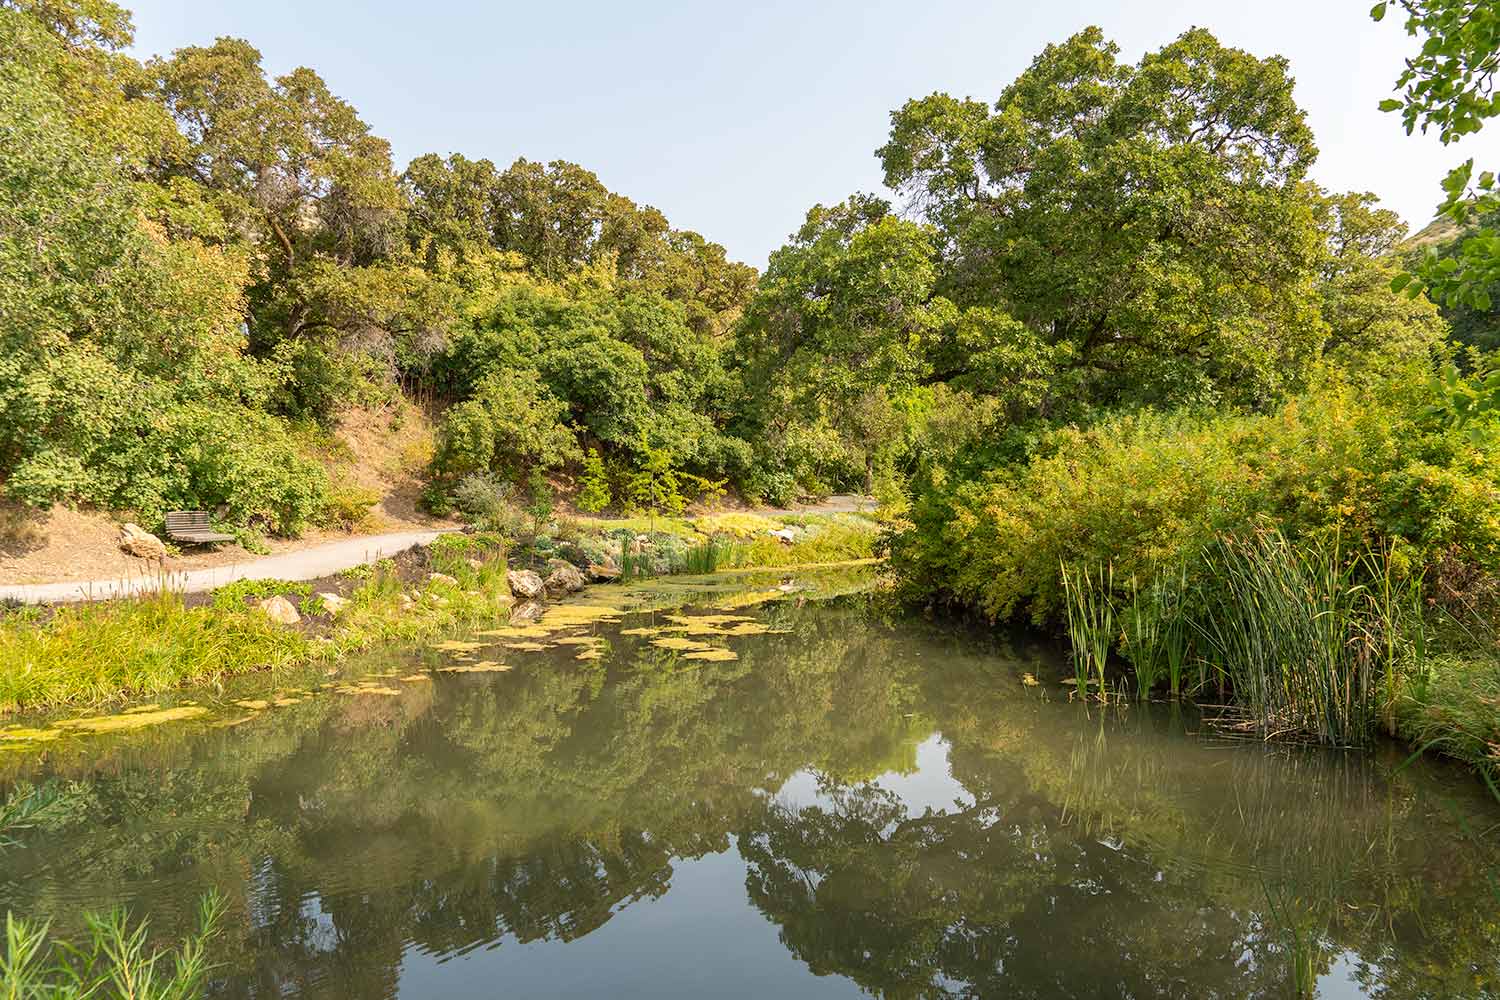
(1111, 361)
(92, 654)
(1324, 570)
(1122, 370)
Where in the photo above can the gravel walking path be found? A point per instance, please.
(303, 564)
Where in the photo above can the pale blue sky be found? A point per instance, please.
(733, 120)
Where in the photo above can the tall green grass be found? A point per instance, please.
(94, 652)
(707, 556)
(114, 962)
(1311, 640)
(634, 565)
(1307, 640)
(1154, 632)
(1091, 622)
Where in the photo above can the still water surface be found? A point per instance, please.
(857, 804)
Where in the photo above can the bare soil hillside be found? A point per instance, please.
(376, 453)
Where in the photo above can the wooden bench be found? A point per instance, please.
(193, 526)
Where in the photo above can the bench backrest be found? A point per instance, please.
(187, 520)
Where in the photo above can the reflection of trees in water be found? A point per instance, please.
(537, 804)
(532, 806)
(974, 902)
(1111, 853)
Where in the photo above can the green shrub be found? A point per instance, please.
(1148, 490)
(450, 553)
(511, 423)
(593, 485)
(466, 439)
(539, 505)
(656, 485)
(349, 505)
(185, 457)
(231, 596)
(824, 539)
(489, 502)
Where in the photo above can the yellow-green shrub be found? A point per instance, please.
(1145, 489)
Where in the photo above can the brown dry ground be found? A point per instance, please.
(382, 449)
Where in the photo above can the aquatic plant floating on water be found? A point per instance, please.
(19, 736)
(131, 720)
(750, 599)
(697, 628)
(708, 619)
(518, 632)
(680, 644)
(368, 689)
(751, 628)
(482, 667)
(715, 654)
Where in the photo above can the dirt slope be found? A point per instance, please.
(381, 449)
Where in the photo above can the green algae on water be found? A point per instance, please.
(131, 720)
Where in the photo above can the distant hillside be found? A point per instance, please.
(1467, 326)
(1438, 232)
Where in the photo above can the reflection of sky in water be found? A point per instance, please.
(930, 786)
(1339, 982)
(701, 939)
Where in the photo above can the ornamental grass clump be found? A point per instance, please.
(1312, 642)
(115, 961)
(1304, 640)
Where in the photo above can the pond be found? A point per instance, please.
(856, 802)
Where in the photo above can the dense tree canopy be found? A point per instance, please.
(1103, 235)
(214, 235)
(1144, 223)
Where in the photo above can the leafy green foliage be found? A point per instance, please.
(1149, 490)
(1476, 326)
(557, 219)
(490, 502)
(512, 423)
(114, 962)
(622, 362)
(1450, 81)
(232, 596)
(593, 485)
(540, 501)
(1137, 233)
(656, 485)
(192, 248)
(123, 380)
(1450, 84)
